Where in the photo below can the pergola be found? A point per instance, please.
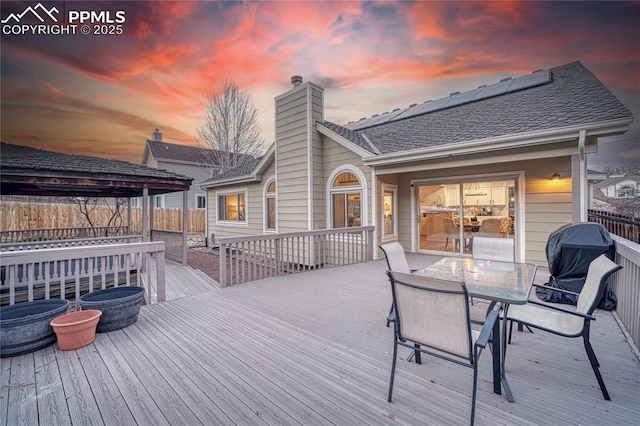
(30, 171)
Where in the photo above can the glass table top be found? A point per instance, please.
(488, 279)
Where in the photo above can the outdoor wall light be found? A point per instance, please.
(555, 177)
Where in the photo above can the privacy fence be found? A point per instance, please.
(18, 216)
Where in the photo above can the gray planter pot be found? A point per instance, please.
(119, 305)
(25, 328)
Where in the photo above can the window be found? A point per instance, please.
(389, 209)
(346, 201)
(159, 203)
(626, 191)
(201, 201)
(231, 207)
(270, 205)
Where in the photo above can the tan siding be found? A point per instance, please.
(547, 205)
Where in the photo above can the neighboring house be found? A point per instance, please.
(620, 187)
(197, 163)
(488, 154)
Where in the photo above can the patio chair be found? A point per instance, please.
(396, 262)
(433, 315)
(568, 323)
(487, 248)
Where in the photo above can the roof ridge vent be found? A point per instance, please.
(505, 79)
(426, 102)
(412, 105)
(538, 70)
(363, 118)
(451, 95)
(480, 87)
(375, 115)
(396, 109)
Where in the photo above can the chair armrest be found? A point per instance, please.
(489, 322)
(566, 311)
(414, 270)
(561, 290)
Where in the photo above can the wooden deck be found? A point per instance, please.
(309, 349)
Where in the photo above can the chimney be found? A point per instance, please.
(156, 136)
(296, 80)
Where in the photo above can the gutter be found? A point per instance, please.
(501, 143)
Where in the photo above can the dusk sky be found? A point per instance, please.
(103, 95)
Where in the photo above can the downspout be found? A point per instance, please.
(582, 183)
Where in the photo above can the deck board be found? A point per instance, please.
(309, 349)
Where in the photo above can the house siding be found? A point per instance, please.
(547, 205)
(198, 173)
(293, 129)
(254, 208)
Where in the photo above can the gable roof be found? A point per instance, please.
(615, 180)
(563, 97)
(171, 152)
(247, 171)
(31, 171)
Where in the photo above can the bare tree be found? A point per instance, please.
(231, 129)
(88, 205)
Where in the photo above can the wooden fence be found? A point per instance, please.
(17, 216)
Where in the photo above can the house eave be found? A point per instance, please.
(232, 181)
(607, 128)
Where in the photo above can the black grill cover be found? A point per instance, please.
(570, 250)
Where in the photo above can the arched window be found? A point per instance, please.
(346, 200)
(270, 205)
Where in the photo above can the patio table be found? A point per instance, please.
(500, 282)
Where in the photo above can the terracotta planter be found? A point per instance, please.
(76, 329)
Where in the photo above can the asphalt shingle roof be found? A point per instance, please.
(572, 96)
(245, 169)
(172, 151)
(22, 157)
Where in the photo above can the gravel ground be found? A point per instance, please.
(203, 259)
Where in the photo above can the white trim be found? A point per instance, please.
(371, 145)
(309, 159)
(268, 181)
(340, 140)
(501, 143)
(363, 188)
(245, 222)
(384, 187)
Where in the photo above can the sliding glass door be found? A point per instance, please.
(451, 213)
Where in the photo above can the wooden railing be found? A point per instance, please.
(260, 256)
(80, 242)
(69, 272)
(174, 244)
(626, 286)
(31, 235)
(627, 227)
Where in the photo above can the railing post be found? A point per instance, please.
(278, 256)
(222, 258)
(161, 290)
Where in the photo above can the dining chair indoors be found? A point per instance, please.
(433, 316)
(569, 323)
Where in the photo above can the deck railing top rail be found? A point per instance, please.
(252, 257)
